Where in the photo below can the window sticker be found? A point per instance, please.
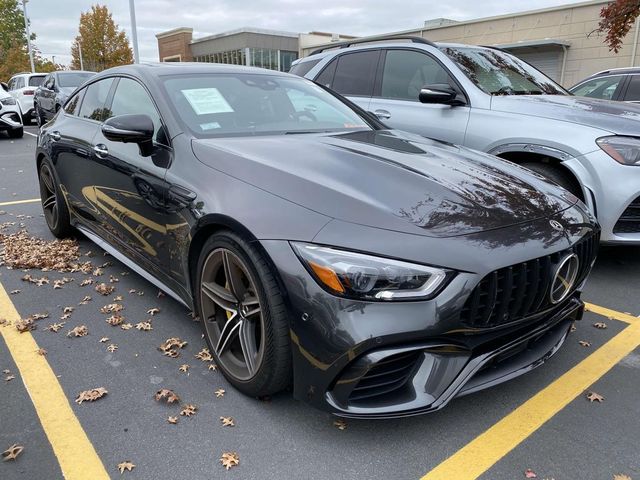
(209, 126)
(207, 100)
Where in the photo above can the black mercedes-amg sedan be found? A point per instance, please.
(377, 272)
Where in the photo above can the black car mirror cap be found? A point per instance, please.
(131, 129)
(440, 93)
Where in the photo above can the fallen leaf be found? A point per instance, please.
(14, 292)
(24, 251)
(172, 353)
(126, 326)
(104, 339)
(584, 343)
(25, 325)
(104, 289)
(212, 367)
(113, 279)
(204, 355)
(91, 395)
(595, 397)
(227, 422)
(153, 311)
(168, 395)
(184, 368)
(171, 346)
(172, 420)
(86, 281)
(12, 452)
(160, 294)
(8, 378)
(79, 331)
(573, 327)
(67, 310)
(41, 351)
(97, 272)
(115, 320)
(621, 476)
(600, 325)
(39, 316)
(112, 308)
(117, 298)
(133, 290)
(528, 473)
(144, 326)
(112, 348)
(55, 327)
(219, 393)
(128, 466)
(340, 424)
(229, 459)
(188, 410)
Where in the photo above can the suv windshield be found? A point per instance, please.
(66, 80)
(257, 104)
(499, 73)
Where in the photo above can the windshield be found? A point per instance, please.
(66, 80)
(257, 104)
(499, 73)
(36, 80)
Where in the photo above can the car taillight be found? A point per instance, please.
(28, 92)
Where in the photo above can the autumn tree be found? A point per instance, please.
(616, 20)
(102, 43)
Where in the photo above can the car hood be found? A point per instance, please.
(388, 179)
(616, 117)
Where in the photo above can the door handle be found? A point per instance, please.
(55, 136)
(382, 114)
(101, 150)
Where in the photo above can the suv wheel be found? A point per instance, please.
(243, 315)
(556, 175)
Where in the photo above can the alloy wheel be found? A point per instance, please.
(232, 314)
(48, 196)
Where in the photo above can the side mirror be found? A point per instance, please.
(5, 87)
(440, 93)
(131, 129)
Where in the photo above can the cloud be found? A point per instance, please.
(56, 23)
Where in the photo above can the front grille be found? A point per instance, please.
(629, 221)
(385, 377)
(519, 291)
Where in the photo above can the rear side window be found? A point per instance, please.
(72, 107)
(18, 83)
(326, 76)
(633, 92)
(603, 87)
(355, 73)
(302, 68)
(36, 81)
(406, 72)
(93, 105)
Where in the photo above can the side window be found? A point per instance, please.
(407, 71)
(603, 88)
(72, 107)
(302, 68)
(633, 92)
(11, 83)
(132, 98)
(355, 73)
(19, 83)
(326, 76)
(93, 105)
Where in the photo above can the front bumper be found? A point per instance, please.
(10, 119)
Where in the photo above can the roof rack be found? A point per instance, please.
(378, 38)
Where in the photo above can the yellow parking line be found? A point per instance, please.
(606, 312)
(73, 449)
(18, 202)
(488, 448)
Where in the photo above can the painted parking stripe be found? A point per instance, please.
(607, 312)
(18, 202)
(29, 133)
(77, 458)
(488, 448)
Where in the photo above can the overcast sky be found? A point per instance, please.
(56, 22)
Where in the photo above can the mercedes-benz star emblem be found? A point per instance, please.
(556, 225)
(564, 278)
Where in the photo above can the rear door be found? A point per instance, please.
(404, 72)
(352, 75)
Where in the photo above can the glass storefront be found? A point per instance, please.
(258, 57)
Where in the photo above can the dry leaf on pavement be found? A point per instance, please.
(41, 351)
(14, 292)
(86, 281)
(115, 320)
(67, 310)
(621, 476)
(340, 424)
(600, 325)
(227, 422)
(584, 343)
(229, 459)
(55, 327)
(219, 393)
(204, 355)
(25, 325)
(153, 311)
(128, 466)
(104, 339)
(126, 326)
(12, 452)
(528, 473)
(112, 308)
(188, 410)
(595, 397)
(104, 289)
(172, 420)
(8, 378)
(112, 348)
(79, 331)
(91, 395)
(168, 395)
(212, 367)
(144, 326)
(184, 368)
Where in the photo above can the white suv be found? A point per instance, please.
(10, 119)
(22, 87)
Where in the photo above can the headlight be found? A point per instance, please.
(8, 101)
(366, 277)
(624, 150)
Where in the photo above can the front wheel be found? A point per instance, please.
(243, 315)
(54, 206)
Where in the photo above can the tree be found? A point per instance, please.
(616, 20)
(12, 30)
(103, 44)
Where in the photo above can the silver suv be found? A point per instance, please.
(489, 100)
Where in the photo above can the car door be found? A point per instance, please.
(404, 72)
(44, 96)
(352, 75)
(127, 188)
(632, 93)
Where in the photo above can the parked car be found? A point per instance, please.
(622, 84)
(54, 91)
(379, 272)
(22, 87)
(10, 119)
(489, 100)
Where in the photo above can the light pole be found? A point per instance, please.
(26, 27)
(134, 31)
(80, 55)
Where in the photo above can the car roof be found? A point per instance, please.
(157, 69)
(617, 71)
(68, 72)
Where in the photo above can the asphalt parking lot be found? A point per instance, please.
(542, 421)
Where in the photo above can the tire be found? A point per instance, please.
(16, 132)
(271, 370)
(38, 116)
(55, 209)
(556, 175)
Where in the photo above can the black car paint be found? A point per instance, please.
(386, 193)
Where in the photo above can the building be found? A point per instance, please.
(560, 41)
(245, 46)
